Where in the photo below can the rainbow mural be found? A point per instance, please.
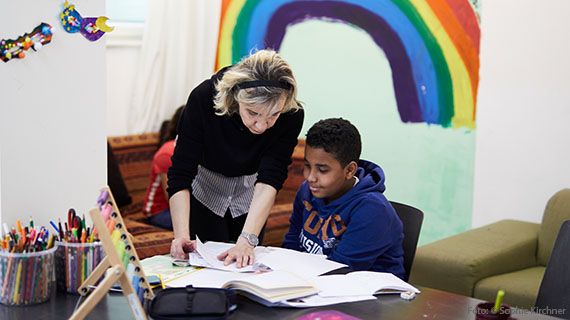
(432, 46)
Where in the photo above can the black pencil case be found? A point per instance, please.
(193, 303)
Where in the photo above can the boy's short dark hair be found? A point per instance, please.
(338, 137)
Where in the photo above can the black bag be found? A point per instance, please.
(192, 303)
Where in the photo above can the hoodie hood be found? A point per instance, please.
(370, 181)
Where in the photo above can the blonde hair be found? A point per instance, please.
(262, 65)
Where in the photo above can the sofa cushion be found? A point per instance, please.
(556, 212)
(521, 287)
(456, 263)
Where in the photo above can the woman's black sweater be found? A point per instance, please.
(224, 145)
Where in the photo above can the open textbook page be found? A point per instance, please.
(361, 283)
(303, 264)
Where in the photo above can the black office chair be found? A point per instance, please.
(412, 219)
(554, 294)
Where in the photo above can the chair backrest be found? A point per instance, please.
(557, 211)
(554, 294)
(412, 219)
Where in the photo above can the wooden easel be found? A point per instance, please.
(113, 263)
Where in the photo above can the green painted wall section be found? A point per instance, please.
(342, 73)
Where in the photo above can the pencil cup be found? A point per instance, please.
(74, 262)
(483, 312)
(26, 278)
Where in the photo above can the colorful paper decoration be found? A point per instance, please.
(91, 28)
(14, 49)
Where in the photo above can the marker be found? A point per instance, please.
(19, 226)
(498, 301)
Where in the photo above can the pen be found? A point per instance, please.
(60, 230)
(54, 226)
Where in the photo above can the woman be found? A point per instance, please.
(235, 141)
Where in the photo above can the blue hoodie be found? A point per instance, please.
(360, 229)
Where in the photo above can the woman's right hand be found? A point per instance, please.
(180, 247)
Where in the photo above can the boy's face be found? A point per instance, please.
(327, 178)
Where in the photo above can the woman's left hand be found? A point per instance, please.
(241, 253)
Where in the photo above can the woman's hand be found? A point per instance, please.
(181, 246)
(241, 253)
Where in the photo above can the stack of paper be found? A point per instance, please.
(293, 281)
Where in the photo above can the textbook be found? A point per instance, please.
(273, 286)
(361, 283)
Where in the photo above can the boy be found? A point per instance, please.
(339, 210)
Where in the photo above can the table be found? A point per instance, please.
(430, 304)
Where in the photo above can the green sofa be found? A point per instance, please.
(508, 254)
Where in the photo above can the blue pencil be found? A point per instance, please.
(55, 227)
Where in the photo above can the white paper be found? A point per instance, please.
(303, 264)
(206, 255)
(360, 283)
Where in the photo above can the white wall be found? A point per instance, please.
(52, 116)
(122, 53)
(523, 119)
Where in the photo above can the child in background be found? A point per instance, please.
(339, 210)
(156, 201)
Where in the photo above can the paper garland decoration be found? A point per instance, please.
(91, 28)
(14, 49)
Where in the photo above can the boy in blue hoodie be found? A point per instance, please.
(339, 210)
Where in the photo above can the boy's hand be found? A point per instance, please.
(241, 253)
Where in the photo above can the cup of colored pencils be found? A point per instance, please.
(26, 265)
(78, 253)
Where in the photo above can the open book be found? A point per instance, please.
(361, 283)
(272, 286)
